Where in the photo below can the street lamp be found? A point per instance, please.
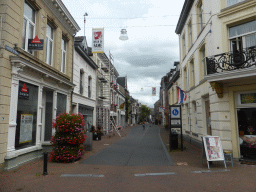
(123, 35)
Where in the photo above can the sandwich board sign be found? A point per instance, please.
(213, 149)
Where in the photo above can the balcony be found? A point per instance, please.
(231, 65)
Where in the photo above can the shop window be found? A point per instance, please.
(61, 103)
(49, 45)
(28, 31)
(63, 55)
(26, 115)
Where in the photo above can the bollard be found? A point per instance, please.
(45, 163)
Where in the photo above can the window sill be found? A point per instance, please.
(19, 152)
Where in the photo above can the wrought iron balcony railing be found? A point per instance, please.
(231, 61)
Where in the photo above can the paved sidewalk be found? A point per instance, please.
(187, 174)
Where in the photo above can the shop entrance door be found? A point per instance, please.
(247, 132)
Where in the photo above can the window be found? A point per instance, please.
(61, 103)
(89, 86)
(242, 36)
(200, 16)
(63, 55)
(185, 78)
(49, 45)
(81, 90)
(183, 45)
(190, 33)
(202, 67)
(26, 115)
(232, 2)
(192, 73)
(28, 31)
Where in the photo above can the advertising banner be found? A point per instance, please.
(97, 40)
(153, 91)
(213, 148)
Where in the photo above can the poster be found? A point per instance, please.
(97, 40)
(213, 148)
(26, 125)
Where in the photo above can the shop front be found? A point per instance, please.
(37, 97)
(246, 121)
(87, 112)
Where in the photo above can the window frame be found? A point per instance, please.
(49, 60)
(89, 86)
(63, 51)
(200, 16)
(28, 21)
(190, 35)
(81, 82)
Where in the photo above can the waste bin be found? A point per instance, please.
(173, 137)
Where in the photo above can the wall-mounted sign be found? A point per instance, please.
(97, 40)
(23, 92)
(36, 44)
(12, 50)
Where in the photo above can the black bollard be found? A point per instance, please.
(45, 163)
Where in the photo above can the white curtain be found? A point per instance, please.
(250, 40)
(242, 29)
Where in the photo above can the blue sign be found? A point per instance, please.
(175, 112)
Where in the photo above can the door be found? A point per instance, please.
(48, 115)
(208, 117)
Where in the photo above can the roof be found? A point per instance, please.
(184, 15)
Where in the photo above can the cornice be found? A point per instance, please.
(236, 8)
(62, 14)
(43, 64)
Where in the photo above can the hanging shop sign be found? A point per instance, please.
(36, 44)
(23, 92)
(97, 40)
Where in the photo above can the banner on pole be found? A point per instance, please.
(153, 91)
(97, 40)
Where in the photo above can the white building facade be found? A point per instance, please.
(217, 42)
(84, 77)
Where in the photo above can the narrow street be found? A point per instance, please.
(138, 161)
(142, 147)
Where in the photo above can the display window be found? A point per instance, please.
(26, 115)
(61, 103)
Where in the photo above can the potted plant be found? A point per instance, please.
(67, 143)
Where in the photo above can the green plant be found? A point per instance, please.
(69, 137)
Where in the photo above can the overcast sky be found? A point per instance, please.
(152, 47)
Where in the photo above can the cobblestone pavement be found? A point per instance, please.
(187, 174)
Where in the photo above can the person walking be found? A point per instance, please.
(143, 124)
